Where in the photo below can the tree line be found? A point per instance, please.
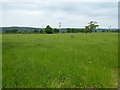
(47, 30)
(91, 27)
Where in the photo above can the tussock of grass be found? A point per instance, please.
(60, 60)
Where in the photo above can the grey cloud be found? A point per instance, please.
(58, 11)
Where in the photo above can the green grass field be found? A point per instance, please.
(60, 60)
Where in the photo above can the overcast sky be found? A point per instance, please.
(70, 14)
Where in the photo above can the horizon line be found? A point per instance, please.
(58, 27)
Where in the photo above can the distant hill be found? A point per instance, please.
(19, 29)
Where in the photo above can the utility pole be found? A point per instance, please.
(109, 28)
(59, 27)
(43, 29)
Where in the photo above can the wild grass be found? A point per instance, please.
(60, 60)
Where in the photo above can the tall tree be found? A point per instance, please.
(91, 26)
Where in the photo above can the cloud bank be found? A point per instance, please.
(70, 14)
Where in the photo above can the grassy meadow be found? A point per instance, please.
(74, 60)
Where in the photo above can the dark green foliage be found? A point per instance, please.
(118, 30)
(48, 29)
(74, 30)
(87, 29)
(103, 30)
(109, 30)
(92, 26)
(53, 30)
(68, 30)
(41, 31)
(14, 30)
(11, 31)
(36, 31)
(56, 30)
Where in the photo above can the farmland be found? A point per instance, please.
(74, 60)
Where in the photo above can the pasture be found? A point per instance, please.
(74, 60)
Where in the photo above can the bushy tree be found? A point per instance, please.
(41, 31)
(48, 29)
(56, 30)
